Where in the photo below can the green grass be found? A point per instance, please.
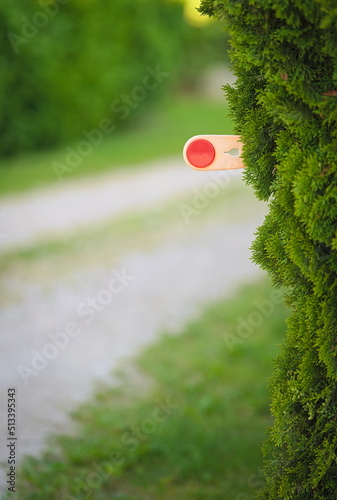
(161, 133)
(206, 445)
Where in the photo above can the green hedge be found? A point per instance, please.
(63, 63)
(285, 108)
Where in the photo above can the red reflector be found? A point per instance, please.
(200, 153)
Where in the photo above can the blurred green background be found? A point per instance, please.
(67, 67)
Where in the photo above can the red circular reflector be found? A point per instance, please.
(200, 153)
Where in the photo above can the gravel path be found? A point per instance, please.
(53, 365)
(58, 210)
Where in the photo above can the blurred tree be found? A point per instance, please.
(66, 65)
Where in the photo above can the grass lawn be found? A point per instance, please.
(188, 425)
(162, 133)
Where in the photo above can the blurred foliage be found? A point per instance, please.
(203, 46)
(65, 65)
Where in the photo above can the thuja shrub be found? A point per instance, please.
(284, 105)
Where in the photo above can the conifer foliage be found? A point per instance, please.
(284, 53)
